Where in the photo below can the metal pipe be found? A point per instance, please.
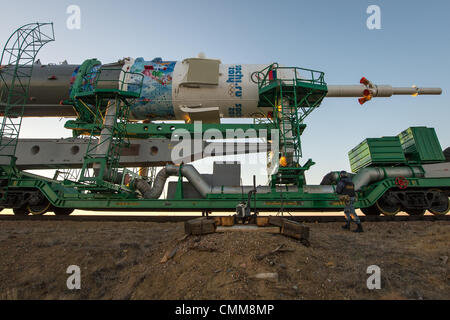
(332, 178)
(420, 91)
(342, 91)
(155, 191)
(363, 178)
(190, 173)
(312, 189)
(369, 175)
(106, 135)
(106, 138)
(204, 188)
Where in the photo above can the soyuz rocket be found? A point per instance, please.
(191, 89)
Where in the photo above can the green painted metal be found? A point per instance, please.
(107, 161)
(165, 130)
(292, 93)
(84, 111)
(421, 144)
(17, 62)
(291, 175)
(92, 96)
(375, 152)
(91, 84)
(128, 85)
(70, 197)
(82, 81)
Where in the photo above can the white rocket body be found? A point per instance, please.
(192, 89)
(235, 96)
(232, 95)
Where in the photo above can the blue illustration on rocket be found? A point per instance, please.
(156, 96)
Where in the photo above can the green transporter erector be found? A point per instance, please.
(115, 129)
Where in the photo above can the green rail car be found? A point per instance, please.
(410, 187)
(60, 198)
(377, 152)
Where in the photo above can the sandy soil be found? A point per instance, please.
(121, 260)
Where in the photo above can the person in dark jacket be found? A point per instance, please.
(346, 188)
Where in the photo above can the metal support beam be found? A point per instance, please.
(69, 153)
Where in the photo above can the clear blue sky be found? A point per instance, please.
(413, 47)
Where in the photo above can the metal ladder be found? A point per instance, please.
(16, 68)
(292, 98)
(108, 107)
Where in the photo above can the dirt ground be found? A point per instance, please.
(121, 260)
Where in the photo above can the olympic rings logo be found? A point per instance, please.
(231, 89)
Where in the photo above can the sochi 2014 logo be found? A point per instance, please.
(235, 80)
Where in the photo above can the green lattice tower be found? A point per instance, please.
(103, 152)
(16, 63)
(106, 104)
(292, 93)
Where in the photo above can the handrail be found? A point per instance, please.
(316, 77)
(93, 78)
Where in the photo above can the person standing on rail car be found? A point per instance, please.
(346, 188)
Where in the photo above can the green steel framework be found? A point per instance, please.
(292, 93)
(16, 68)
(98, 95)
(292, 99)
(66, 196)
(17, 62)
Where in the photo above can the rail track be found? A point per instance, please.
(131, 218)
